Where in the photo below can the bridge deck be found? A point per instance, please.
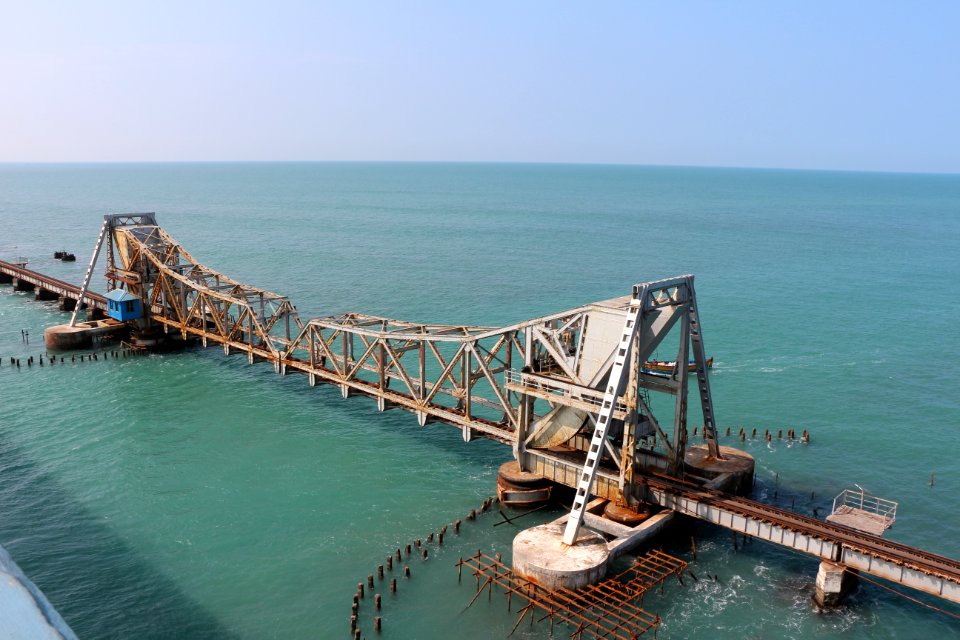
(915, 568)
(49, 283)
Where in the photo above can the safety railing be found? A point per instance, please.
(859, 500)
(558, 388)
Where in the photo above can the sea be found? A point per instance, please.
(191, 495)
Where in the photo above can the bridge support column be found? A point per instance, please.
(422, 418)
(21, 285)
(67, 304)
(226, 349)
(250, 356)
(312, 377)
(381, 404)
(834, 582)
(344, 391)
(46, 295)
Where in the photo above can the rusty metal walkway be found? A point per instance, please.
(608, 609)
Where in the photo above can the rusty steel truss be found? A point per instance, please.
(611, 608)
(538, 386)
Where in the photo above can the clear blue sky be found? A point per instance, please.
(843, 85)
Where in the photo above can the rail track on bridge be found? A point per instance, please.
(881, 548)
(50, 283)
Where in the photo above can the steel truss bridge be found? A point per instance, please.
(566, 391)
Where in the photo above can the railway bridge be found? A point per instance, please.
(566, 391)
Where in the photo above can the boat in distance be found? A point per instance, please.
(662, 367)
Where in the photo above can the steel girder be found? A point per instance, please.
(504, 383)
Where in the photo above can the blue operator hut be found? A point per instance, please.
(123, 306)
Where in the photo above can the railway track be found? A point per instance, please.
(50, 283)
(895, 552)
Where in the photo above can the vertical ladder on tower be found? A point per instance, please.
(615, 383)
(86, 278)
(703, 384)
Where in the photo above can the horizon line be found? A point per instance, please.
(480, 162)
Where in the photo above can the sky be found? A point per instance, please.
(815, 85)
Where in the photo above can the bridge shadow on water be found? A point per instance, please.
(101, 586)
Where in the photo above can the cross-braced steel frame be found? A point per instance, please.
(538, 386)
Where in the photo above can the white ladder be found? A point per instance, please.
(703, 383)
(86, 278)
(614, 387)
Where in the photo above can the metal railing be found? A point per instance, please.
(562, 389)
(851, 499)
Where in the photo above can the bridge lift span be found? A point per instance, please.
(566, 391)
(542, 386)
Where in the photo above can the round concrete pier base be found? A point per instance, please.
(64, 337)
(625, 515)
(736, 465)
(519, 488)
(540, 555)
(147, 339)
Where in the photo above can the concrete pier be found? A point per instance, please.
(69, 304)
(64, 337)
(540, 555)
(46, 295)
(733, 472)
(834, 582)
(22, 285)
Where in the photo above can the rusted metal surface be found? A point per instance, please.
(519, 496)
(608, 609)
(452, 373)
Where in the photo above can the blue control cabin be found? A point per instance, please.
(123, 306)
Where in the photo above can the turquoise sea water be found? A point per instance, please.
(190, 495)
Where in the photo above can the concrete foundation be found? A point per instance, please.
(540, 555)
(150, 339)
(22, 285)
(69, 304)
(46, 296)
(834, 582)
(733, 472)
(64, 337)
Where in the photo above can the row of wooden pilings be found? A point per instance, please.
(767, 434)
(416, 547)
(53, 359)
